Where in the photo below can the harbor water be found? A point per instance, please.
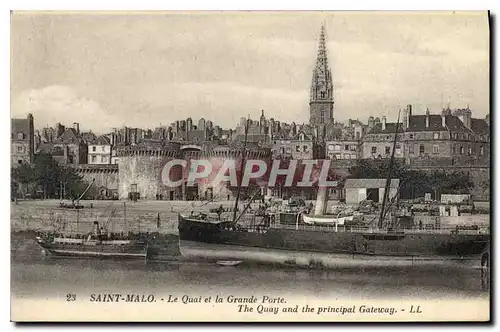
(34, 275)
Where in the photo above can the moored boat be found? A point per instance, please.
(93, 244)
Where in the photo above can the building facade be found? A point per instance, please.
(100, 151)
(22, 141)
(379, 141)
(451, 138)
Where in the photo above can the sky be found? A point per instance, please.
(108, 70)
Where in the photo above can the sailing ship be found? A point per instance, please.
(319, 240)
(98, 243)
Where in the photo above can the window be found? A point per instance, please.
(282, 150)
(103, 148)
(410, 149)
(435, 149)
(337, 147)
(116, 161)
(302, 137)
(103, 159)
(19, 148)
(133, 188)
(398, 149)
(94, 159)
(436, 135)
(358, 135)
(422, 149)
(297, 148)
(481, 150)
(20, 136)
(346, 147)
(322, 117)
(454, 149)
(462, 150)
(20, 161)
(304, 148)
(411, 136)
(323, 94)
(374, 149)
(469, 150)
(387, 150)
(330, 147)
(353, 148)
(347, 156)
(93, 149)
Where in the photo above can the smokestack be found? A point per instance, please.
(76, 126)
(384, 123)
(443, 120)
(427, 116)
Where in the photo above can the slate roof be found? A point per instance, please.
(480, 126)
(19, 126)
(89, 137)
(101, 140)
(69, 136)
(390, 128)
(307, 137)
(370, 183)
(455, 124)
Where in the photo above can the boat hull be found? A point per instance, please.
(95, 251)
(306, 244)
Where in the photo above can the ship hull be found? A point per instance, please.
(96, 251)
(310, 244)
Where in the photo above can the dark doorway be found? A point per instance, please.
(171, 195)
(372, 194)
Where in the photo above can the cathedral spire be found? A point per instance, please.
(321, 93)
(322, 59)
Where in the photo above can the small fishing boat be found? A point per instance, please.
(229, 263)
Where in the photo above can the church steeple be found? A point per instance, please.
(322, 59)
(321, 96)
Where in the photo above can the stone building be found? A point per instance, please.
(22, 140)
(100, 151)
(452, 134)
(343, 142)
(68, 148)
(379, 141)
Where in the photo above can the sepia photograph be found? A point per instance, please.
(250, 166)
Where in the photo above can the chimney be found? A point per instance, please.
(384, 123)
(371, 122)
(443, 120)
(76, 126)
(407, 116)
(427, 116)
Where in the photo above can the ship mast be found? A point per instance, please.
(389, 175)
(238, 192)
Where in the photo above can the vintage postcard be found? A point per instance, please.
(250, 166)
